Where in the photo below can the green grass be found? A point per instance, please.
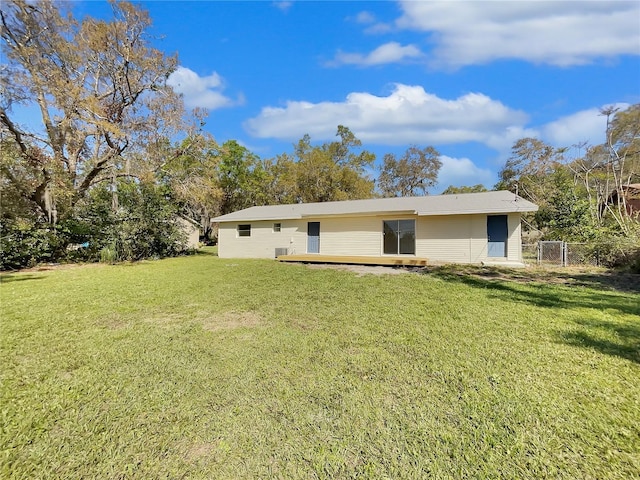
(200, 367)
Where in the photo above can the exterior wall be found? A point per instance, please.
(514, 247)
(463, 239)
(446, 239)
(191, 231)
(353, 235)
(263, 240)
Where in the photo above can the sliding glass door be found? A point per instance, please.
(399, 237)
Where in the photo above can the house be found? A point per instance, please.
(191, 229)
(464, 228)
(631, 195)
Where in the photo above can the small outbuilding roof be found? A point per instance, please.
(456, 204)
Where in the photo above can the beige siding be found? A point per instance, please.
(444, 238)
(351, 236)
(477, 238)
(514, 247)
(263, 240)
(447, 238)
(191, 231)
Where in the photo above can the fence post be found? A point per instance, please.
(539, 253)
(564, 253)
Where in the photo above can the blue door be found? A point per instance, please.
(497, 234)
(313, 237)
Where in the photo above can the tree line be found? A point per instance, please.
(115, 158)
(586, 193)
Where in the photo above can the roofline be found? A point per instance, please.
(373, 214)
(315, 210)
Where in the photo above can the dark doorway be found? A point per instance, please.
(313, 237)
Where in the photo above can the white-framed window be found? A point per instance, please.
(277, 227)
(399, 237)
(244, 230)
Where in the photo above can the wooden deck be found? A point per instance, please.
(354, 260)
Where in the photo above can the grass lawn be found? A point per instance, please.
(201, 367)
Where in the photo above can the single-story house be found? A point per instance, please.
(191, 229)
(631, 194)
(462, 228)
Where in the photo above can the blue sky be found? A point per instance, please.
(468, 78)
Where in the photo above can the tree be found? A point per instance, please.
(605, 169)
(241, 178)
(143, 225)
(100, 89)
(575, 195)
(565, 216)
(528, 168)
(15, 178)
(281, 185)
(413, 174)
(623, 166)
(323, 173)
(190, 173)
(450, 190)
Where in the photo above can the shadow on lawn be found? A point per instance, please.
(625, 343)
(205, 253)
(597, 279)
(556, 290)
(8, 278)
(546, 289)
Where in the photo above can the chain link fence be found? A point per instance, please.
(559, 254)
(581, 254)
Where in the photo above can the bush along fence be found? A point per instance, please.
(561, 254)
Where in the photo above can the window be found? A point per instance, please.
(277, 227)
(399, 237)
(244, 230)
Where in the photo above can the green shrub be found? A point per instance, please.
(24, 244)
(108, 254)
(619, 251)
(143, 226)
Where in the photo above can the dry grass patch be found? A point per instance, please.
(202, 450)
(232, 320)
(221, 321)
(361, 270)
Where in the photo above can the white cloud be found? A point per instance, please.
(373, 25)
(391, 52)
(503, 140)
(583, 126)
(365, 17)
(378, 28)
(197, 91)
(284, 6)
(408, 115)
(557, 33)
(463, 172)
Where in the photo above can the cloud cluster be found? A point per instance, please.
(197, 91)
(585, 125)
(558, 33)
(408, 115)
(462, 171)
(391, 52)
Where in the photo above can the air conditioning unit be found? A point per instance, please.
(281, 251)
